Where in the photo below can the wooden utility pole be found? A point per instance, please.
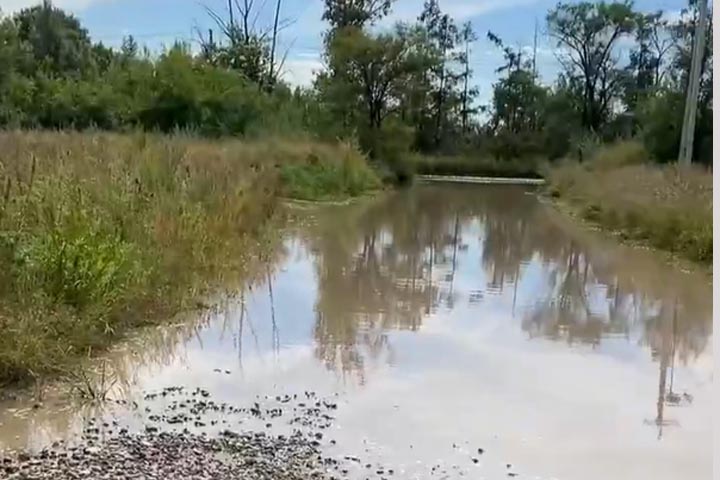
(698, 49)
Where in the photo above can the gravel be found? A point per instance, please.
(173, 443)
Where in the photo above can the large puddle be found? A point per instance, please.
(447, 319)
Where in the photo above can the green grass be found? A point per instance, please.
(666, 207)
(329, 175)
(476, 166)
(100, 233)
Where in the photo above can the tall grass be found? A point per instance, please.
(326, 174)
(103, 232)
(667, 207)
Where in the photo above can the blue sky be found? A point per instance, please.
(158, 22)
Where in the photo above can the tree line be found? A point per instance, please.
(394, 90)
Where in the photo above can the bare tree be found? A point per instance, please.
(246, 49)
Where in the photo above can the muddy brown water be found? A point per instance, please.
(447, 318)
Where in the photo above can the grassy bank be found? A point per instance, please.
(326, 172)
(476, 166)
(666, 207)
(103, 232)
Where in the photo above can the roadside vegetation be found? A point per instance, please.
(326, 172)
(479, 167)
(100, 232)
(128, 178)
(666, 207)
(423, 102)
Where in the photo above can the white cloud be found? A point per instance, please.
(300, 70)
(460, 10)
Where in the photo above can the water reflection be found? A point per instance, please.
(503, 303)
(387, 266)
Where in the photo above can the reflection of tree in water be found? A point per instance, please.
(588, 299)
(386, 265)
(566, 311)
(378, 269)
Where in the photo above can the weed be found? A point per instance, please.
(103, 232)
(91, 385)
(667, 207)
(315, 178)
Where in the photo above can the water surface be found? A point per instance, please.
(447, 319)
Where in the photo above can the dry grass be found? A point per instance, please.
(667, 207)
(103, 232)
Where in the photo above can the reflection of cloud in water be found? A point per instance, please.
(454, 299)
(388, 265)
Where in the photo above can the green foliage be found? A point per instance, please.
(477, 166)
(588, 31)
(371, 69)
(341, 13)
(661, 125)
(58, 43)
(380, 87)
(317, 178)
(102, 232)
(78, 268)
(517, 101)
(391, 149)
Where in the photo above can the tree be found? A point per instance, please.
(373, 68)
(354, 13)
(517, 98)
(9, 49)
(658, 118)
(246, 49)
(587, 33)
(644, 71)
(517, 102)
(467, 36)
(443, 34)
(129, 47)
(59, 44)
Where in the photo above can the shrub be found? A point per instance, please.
(620, 154)
(319, 176)
(484, 167)
(666, 207)
(103, 232)
(389, 147)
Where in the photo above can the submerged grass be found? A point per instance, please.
(103, 232)
(666, 207)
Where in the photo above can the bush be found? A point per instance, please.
(666, 207)
(481, 167)
(318, 176)
(78, 270)
(507, 145)
(620, 154)
(389, 148)
(103, 232)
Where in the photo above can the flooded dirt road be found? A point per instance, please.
(464, 332)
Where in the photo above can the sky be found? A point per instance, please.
(157, 23)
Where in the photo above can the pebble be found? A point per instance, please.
(160, 450)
